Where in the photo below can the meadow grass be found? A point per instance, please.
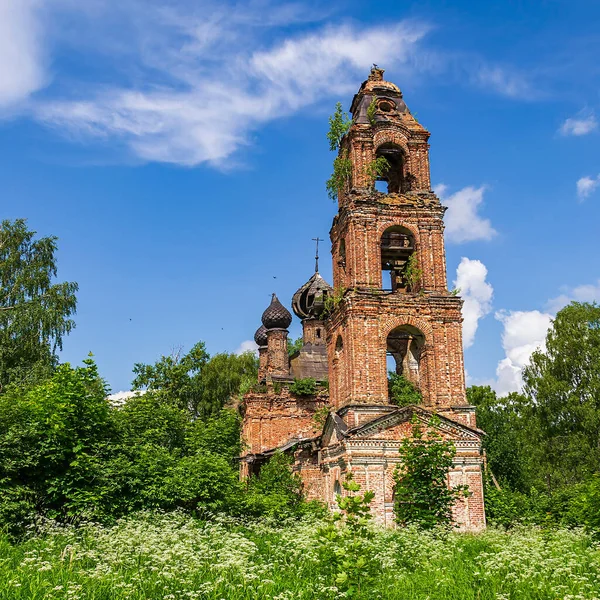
(174, 557)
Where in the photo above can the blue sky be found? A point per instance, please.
(178, 151)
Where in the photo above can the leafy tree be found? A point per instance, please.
(196, 382)
(402, 391)
(224, 378)
(563, 383)
(52, 438)
(178, 377)
(422, 494)
(339, 123)
(295, 345)
(35, 313)
(276, 490)
(505, 422)
(219, 435)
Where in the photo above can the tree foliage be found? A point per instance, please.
(304, 387)
(339, 123)
(422, 495)
(563, 383)
(35, 312)
(402, 391)
(196, 382)
(505, 422)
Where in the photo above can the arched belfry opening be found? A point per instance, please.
(395, 175)
(404, 347)
(397, 246)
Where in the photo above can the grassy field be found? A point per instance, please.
(174, 557)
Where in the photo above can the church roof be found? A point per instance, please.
(260, 337)
(309, 300)
(276, 316)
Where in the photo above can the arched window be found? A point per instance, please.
(397, 246)
(339, 345)
(404, 345)
(342, 253)
(397, 179)
(337, 488)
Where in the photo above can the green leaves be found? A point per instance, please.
(341, 178)
(304, 387)
(339, 123)
(197, 383)
(402, 391)
(344, 543)
(422, 495)
(564, 385)
(35, 313)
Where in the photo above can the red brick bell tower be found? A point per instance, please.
(389, 308)
(389, 264)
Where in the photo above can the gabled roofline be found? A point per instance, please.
(408, 411)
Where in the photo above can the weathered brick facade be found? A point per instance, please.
(390, 299)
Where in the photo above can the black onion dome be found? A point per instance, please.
(309, 300)
(260, 337)
(276, 316)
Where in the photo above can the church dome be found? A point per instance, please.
(276, 316)
(260, 337)
(309, 300)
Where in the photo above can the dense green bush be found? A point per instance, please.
(402, 391)
(66, 454)
(304, 387)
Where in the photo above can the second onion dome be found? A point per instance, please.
(276, 316)
(309, 300)
(260, 337)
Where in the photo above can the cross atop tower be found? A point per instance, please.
(317, 240)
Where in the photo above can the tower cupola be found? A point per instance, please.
(309, 300)
(276, 316)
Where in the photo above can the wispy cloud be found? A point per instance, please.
(463, 222)
(586, 186)
(206, 117)
(188, 83)
(505, 81)
(582, 124)
(22, 69)
(582, 293)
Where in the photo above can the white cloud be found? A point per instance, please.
(21, 64)
(524, 332)
(247, 346)
(477, 295)
(582, 293)
(463, 223)
(119, 398)
(581, 125)
(204, 115)
(586, 185)
(189, 83)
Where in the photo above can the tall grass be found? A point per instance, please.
(174, 557)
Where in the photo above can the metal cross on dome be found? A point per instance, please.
(317, 240)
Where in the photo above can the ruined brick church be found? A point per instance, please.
(389, 304)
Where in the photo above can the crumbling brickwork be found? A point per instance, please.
(389, 306)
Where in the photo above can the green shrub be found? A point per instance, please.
(304, 387)
(422, 495)
(402, 391)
